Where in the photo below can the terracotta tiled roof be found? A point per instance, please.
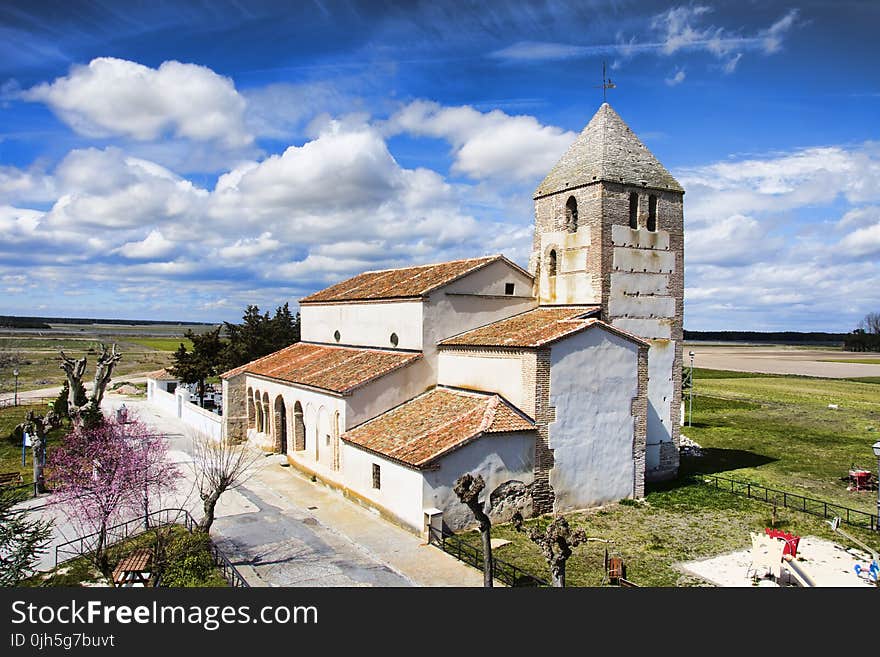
(533, 328)
(399, 283)
(160, 375)
(339, 369)
(435, 423)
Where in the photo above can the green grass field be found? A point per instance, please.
(772, 429)
(10, 446)
(779, 431)
(675, 523)
(162, 344)
(37, 357)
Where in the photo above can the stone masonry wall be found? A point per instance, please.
(640, 415)
(542, 494)
(235, 419)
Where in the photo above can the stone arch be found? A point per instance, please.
(633, 210)
(571, 214)
(258, 412)
(280, 425)
(267, 427)
(251, 409)
(299, 428)
(551, 263)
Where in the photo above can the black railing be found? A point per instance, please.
(504, 572)
(852, 517)
(130, 528)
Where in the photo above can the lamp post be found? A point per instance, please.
(691, 392)
(876, 448)
(15, 374)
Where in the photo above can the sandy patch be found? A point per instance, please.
(776, 360)
(827, 564)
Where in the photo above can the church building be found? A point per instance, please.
(560, 385)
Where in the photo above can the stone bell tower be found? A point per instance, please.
(609, 226)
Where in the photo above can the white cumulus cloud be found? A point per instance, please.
(117, 97)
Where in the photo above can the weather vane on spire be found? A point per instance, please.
(606, 85)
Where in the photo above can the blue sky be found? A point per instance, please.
(182, 160)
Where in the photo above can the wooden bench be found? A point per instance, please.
(132, 570)
(10, 478)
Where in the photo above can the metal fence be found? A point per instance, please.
(26, 401)
(852, 517)
(131, 528)
(473, 556)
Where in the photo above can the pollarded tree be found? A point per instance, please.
(90, 412)
(37, 428)
(22, 540)
(105, 474)
(468, 489)
(218, 466)
(556, 543)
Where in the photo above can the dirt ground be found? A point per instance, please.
(782, 360)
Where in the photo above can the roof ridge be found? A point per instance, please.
(429, 264)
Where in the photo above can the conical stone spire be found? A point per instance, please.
(607, 150)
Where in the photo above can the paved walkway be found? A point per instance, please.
(281, 529)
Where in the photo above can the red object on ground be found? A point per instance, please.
(791, 541)
(861, 479)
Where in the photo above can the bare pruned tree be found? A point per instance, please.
(556, 543)
(468, 489)
(37, 428)
(871, 323)
(75, 369)
(219, 466)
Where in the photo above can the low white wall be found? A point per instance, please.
(499, 458)
(400, 492)
(163, 400)
(205, 422)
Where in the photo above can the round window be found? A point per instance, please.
(336, 336)
(394, 339)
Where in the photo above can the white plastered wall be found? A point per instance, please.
(641, 303)
(366, 324)
(593, 379)
(472, 301)
(400, 491)
(498, 458)
(488, 371)
(389, 391)
(572, 283)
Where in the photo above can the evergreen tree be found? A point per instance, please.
(21, 540)
(202, 362)
(259, 335)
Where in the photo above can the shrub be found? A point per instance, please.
(189, 561)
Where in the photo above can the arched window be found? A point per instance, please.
(258, 407)
(267, 426)
(633, 210)
(571, 214)
(551, 263)
(652, 213)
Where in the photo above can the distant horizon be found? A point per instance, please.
(122, 320)
(191, 159)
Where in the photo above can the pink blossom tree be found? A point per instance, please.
(106, 474)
